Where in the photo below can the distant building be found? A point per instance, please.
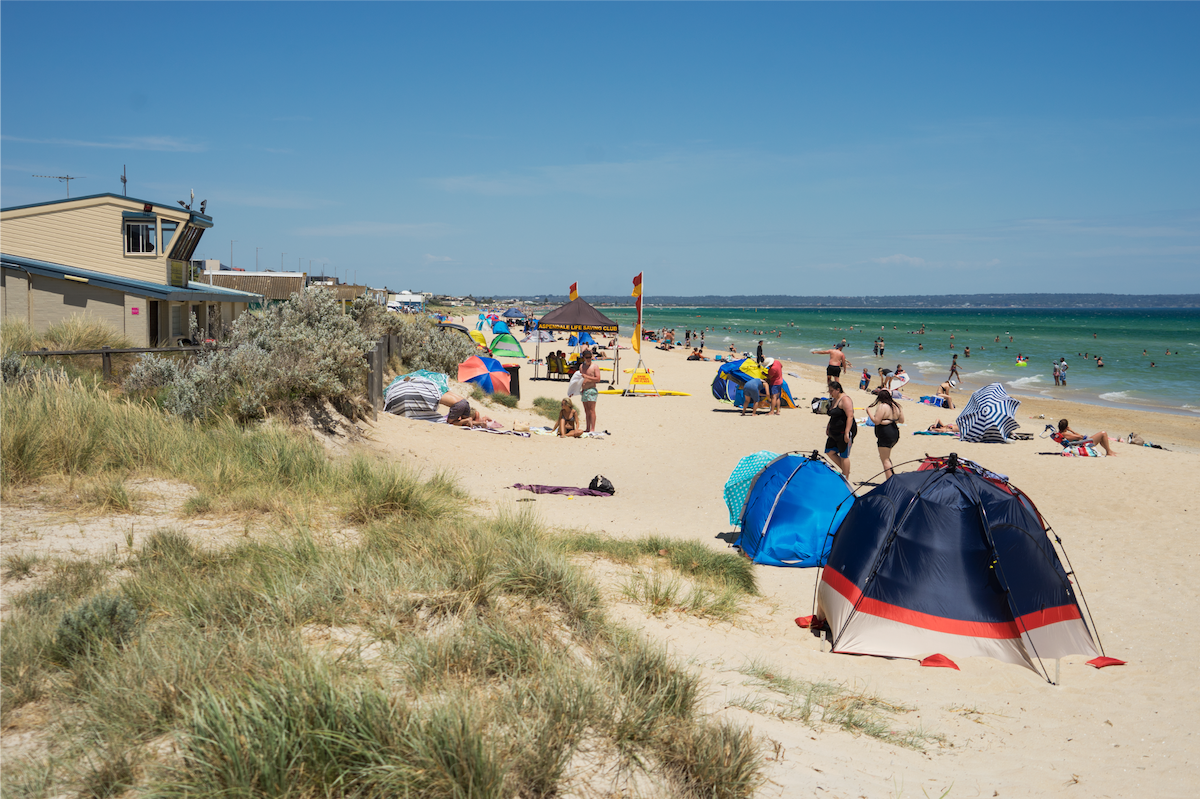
(123, 261)
(271, 286)
(406, 302)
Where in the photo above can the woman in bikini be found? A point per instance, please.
(568, 420)
(886, 413)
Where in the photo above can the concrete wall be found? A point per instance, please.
(52, 301)
(14, 294)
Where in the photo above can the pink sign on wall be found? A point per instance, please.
(135, 311)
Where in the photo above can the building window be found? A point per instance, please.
(140, 237)
(168, 233)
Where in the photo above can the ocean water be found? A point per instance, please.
(1155, 381)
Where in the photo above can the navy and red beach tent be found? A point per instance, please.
(950, 559)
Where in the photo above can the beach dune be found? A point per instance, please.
(1128, 524)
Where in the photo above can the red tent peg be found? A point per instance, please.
(940, 662)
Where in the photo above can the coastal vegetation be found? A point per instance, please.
(440, 653)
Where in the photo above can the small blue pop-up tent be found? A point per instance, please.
(499, 327)
(794, 506)
(584, 338)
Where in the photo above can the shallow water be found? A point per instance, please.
(1119, 336)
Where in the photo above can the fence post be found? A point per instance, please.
(375, 378)
(106, 363)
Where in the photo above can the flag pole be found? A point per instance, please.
(636, 341)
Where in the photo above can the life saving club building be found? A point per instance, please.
(120, 260)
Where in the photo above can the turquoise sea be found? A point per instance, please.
(1154, 381)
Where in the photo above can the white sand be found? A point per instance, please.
(1128, 524)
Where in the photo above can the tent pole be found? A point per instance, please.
(617, 366)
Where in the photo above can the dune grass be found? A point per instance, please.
(441, 654)
(690, 558)
(547, 407)
(832, 704)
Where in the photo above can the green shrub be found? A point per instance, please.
(152, 371)
(442, 351)
(100, 620)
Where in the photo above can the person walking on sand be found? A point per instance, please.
(840, 432)
(837, 362)
(886, 414)
(591, 379)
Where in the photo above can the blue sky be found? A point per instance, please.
(502, 149)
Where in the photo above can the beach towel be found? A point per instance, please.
(498, 432)
(936, 402)
(567, 491)
(1080, 451)
(931, 433)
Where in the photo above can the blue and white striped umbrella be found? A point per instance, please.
(989, 416)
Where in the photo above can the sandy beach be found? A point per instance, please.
(1127, 523)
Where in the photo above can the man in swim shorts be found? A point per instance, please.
(837, 362)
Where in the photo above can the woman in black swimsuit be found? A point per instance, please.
(840, 432)
(886, 413)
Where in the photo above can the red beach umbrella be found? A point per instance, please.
(487, 373)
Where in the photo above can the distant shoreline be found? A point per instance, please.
(947, 302)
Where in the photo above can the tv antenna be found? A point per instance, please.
(124, 180)
(64, 179)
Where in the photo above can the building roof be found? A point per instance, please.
(196, 218)
(278, 286)
(195, 292)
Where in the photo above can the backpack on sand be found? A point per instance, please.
(822, 405)
(602, 483)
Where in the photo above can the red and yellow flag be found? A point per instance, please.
(574, 291)
(636, 340)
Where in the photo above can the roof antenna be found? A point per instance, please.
(952, 462)
(63, 178)
(124, 180)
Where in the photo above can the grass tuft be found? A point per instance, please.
(109, 493)
(20, 565)
(198, 505)
(690, 558)
(834, 704)
(547, 407)
(379, 491)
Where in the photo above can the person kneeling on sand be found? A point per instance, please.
(944, 395)
(463, 415)
(568, 420)
(1069, 436)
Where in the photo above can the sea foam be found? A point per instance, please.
(1021, 382)
(1117, 396)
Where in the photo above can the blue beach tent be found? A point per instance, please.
(732, 375)
(794, 506)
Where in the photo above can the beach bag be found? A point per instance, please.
(602, 483)
(575, 387)
(1134, 438)
(822, 405)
